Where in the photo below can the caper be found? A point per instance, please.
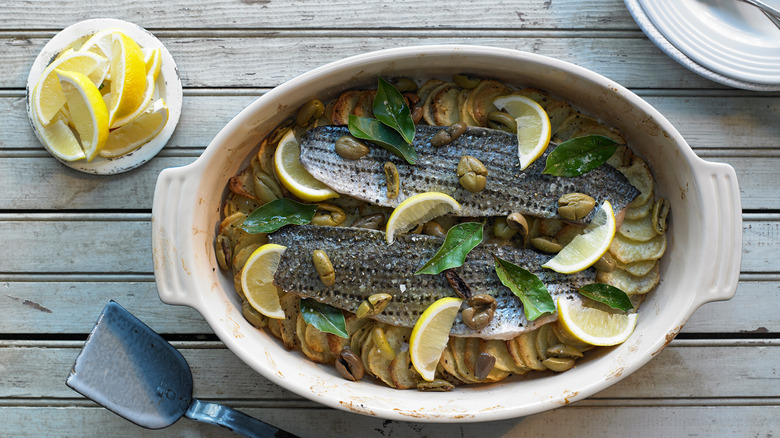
(480, 311)
(328, 215)
(519, 223)
(502, 230)
(575, 206)
(464, 80)
(558, 364)
(472, 173)
(606, 263)
(563, 350)
(351, 148)
(252, 316)
(435, 385)
(484, 365)
(324, 267)
(371, 222)
(433, 228)
(378, 335)
(309, 112)
(457, 284)
(349, 365)
(503, 121)
(660, 213)
(448, 135)
(280, 131)
(373, 305)
(404, 84)
(546, 244)
(393, 180)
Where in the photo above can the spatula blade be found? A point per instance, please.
(129, 369)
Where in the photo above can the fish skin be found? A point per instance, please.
(365, 264)
(508, 189)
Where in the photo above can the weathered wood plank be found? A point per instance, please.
(676, 421)
(478, 14)
(732, 123)
(685, 369)
(87, 243)
(40, 307)
(269, 60)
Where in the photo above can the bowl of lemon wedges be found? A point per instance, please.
(104, 96)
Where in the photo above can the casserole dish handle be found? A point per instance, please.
(722, 252)
(172, 225)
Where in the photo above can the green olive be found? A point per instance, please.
(380, 341)
(280, 131)
(371, 222)
(546, 244)
(328, 215)
(393, 180)
(503, 121)
(519, 223)
(404, 84)
(324, 267)
(350, 148)
(502, 230)
(472, 173)
(448, 135)
(373, 305)
(464, 80)
(660, 213)
(309, 112)
(435, 385)
(480, 312)
(558, 364)
(575, 206)
(252, 316)
(563, 350)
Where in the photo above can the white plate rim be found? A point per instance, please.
(169, 78)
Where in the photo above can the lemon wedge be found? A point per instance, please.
(294, 176)
(152, 61)
(128, 80)
(60, 139)
(430, 335)
(101, 42)
(47, 96)
(87, 110)
(594, 324)
(586, 249)
(533, 126)
(138, 132)
(257, 280)
(419, 209)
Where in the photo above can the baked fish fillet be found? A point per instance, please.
(508, 189)
(365, 265)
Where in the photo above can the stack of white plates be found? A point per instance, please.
(726, 41)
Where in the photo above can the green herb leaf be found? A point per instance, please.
(325, 318)
(391, 109)
(460, 239)
(373, 130)
(278, 213)
(607, 294)
(579, 155)
(527, 286)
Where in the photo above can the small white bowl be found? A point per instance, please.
(701, 264)
(168, 86)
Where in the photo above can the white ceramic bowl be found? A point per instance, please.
(701, 263)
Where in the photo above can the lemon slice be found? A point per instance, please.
(152, 61)
(419, 209)
(60, 139)
(101, 42)
(430, 335)
(594, 326)
(128, 80)
(533, 126)
(293, 175)
(48, 98)
(586, 249)
(257, 280)
(87, 110)
(138, 132)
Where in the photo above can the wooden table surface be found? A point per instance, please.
(69, 242)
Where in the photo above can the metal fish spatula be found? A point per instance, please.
(132, 371)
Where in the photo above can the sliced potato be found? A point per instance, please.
(630, 284)
(545, 338)
(640, 230)
(447, 362)
(637, 269)
(337, 343)
(480, 100)
(426, 88)
(445, 106)
(316, 356)
(427, 108)
(241, 184)
(380, 365)
(463, 109)
(471, 354)
(639, 175)
(238, 204)
(357, 339)
(599, 129)
(231, 226)
(626, 250)
(240, 257)
(365, 105)
(497, 348)
(622, 157)
(640, 211)
(291, 304)
(458, 349)
(526, 344)
(249, 239)
(344, 105)
(496, 375)
(403, 373)
(538, 96)
(572, 125)
(558, 111)
(275, 327)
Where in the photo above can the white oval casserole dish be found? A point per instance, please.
(701, 263)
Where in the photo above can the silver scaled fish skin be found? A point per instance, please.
(365, 265)
(508, 189)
